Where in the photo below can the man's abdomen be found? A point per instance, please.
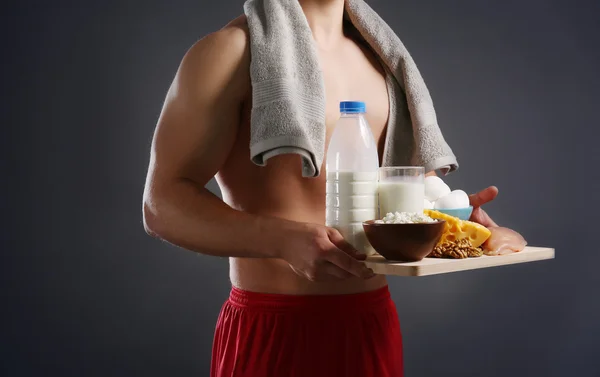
(278, 190)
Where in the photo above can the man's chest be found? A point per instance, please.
(355, 75)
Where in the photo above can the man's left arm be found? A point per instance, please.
(477, 200)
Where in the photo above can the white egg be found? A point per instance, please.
(427, 204)
(435, 188)
(455, 199)
(462, 198)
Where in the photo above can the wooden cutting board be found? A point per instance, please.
(433, 266)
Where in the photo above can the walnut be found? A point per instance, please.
(474, 252)
(460, 249)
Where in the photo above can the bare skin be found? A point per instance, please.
(270, 222)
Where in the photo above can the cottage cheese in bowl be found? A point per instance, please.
(405, 218)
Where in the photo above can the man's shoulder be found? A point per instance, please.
(234, 35)
(222, 55)
(238, 25)
(230, 42)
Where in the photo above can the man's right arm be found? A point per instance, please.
(194, 135)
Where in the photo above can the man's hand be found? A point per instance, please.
(479, 199)
(320, 253)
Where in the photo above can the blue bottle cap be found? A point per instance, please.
(352, 107)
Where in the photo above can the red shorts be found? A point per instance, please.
(272, 335)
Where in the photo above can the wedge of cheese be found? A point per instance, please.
(457, 229)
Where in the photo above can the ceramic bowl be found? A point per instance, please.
(461, 213)
(404, 242)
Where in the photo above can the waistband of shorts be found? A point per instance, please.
(282, 302)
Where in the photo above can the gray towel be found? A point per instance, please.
(288, 92)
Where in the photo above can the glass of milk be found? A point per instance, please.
(401, 189)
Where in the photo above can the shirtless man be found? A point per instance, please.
(302, 303)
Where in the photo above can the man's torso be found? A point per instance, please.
(350, 72)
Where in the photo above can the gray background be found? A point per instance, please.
(86, 293)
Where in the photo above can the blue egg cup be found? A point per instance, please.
(461, 213)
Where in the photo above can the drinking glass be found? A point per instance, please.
(401, 189)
